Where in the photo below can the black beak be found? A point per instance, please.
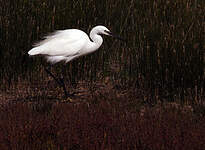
(115, 36)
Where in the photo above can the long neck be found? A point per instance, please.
(97, 39)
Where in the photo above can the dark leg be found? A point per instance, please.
(64, 87)
(60, 82)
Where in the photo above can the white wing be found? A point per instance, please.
(61, 43)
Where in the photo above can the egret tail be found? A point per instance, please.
(35, 51)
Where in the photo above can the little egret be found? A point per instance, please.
(66, 45)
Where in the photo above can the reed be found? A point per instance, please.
(164, 54)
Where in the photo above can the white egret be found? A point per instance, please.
(66, 45)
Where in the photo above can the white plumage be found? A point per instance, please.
(65, 45)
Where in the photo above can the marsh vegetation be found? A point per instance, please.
(159, 73)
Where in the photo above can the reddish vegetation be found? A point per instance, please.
(105, 125)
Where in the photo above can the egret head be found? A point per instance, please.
(102, 30)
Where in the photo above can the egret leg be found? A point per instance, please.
(64, 87)
(60, 82)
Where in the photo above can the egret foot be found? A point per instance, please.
(68, 99)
